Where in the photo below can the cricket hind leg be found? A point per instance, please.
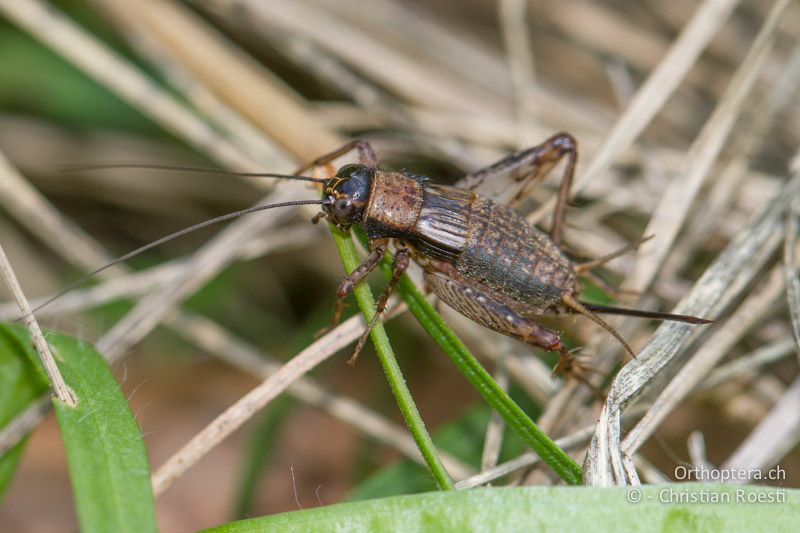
(526, 167)
(487, 308)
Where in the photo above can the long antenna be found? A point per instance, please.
(171, 236)
(199, 170)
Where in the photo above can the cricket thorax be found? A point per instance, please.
(432, 219)
(394, 205)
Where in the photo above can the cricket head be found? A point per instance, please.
(345, 195)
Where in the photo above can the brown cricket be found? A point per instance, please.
(480, 257)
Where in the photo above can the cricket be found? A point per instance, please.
(480, 257)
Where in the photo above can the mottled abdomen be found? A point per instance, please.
(508, 255)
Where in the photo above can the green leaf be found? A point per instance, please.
(660, 508)
(107, 459)
(20, 384)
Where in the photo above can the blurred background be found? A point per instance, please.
(439, 88)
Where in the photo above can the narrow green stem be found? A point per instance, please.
(394, 376)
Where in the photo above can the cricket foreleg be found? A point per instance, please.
(346, 286)
(400, 264)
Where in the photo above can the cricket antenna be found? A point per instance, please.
(167, 238)
(199, 170)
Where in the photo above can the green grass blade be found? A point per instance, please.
(394, 376)
(648, 508)
(107, 460)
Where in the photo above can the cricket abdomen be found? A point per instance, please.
(506, 254)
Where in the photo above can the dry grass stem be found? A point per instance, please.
(531, 374)
(28, 206)
(493, 439)
(652, 95)
(257, 94)
(229, 122)
(649, 473)
(730, 180)
(790, 265)
(213, 256)
(682, 191)
(730, 273)
(513, 15)
(696, 446)
(759, 303)
(763, 356)
(211, 337)
(109, 69)
(134, 284)
(414, 80)
(572, 441)
(21, 425)
(525, 460)
(61, 389)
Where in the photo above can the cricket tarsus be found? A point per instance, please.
(645, 314)
(167, 238)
